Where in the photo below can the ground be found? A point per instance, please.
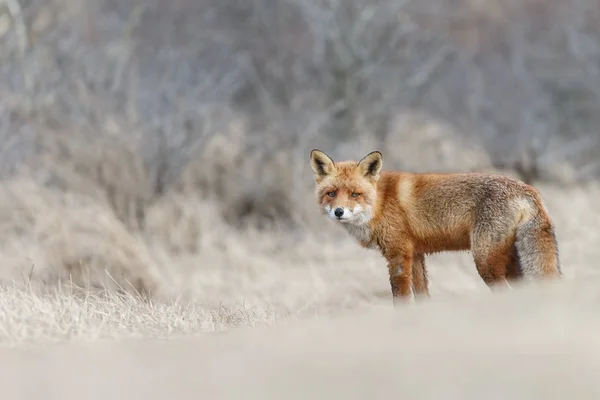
(301, 316)
(530, 343)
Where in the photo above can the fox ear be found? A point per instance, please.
(322, 165)
(371, 164)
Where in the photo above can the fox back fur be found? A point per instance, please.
(502, 221)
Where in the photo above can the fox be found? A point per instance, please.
(406, 216)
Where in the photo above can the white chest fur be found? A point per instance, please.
(362, 233)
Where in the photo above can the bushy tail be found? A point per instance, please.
(537, 250)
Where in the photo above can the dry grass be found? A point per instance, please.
(224, 278)
(154, 182)
(531, 343)
(59, 315)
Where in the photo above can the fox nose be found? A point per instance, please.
(339, 212)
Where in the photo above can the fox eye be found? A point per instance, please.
(354, 194)
(331, 194)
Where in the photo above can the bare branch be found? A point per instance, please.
(14, 8)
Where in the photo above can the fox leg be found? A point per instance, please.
(513, 269)
(420, 281)
(492, 259)
(400, 269)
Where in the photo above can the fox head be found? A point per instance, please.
(346, 191)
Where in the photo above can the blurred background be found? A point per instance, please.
(163, 145)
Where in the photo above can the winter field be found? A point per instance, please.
(158, 229)
(312, 320)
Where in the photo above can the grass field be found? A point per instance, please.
(232, 277)
(236, 277)
(531, 343)
(158, 229)
(265, 315)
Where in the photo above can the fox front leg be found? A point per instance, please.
(420, 281)
(400, 270)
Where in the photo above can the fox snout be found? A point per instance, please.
(345, 214)
(342, 213)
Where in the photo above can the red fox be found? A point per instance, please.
(502, 221)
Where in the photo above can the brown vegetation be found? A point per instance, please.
(162, 147)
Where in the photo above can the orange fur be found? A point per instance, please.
(406, 216)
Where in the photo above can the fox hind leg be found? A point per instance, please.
(493, 259)
(513, 268)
